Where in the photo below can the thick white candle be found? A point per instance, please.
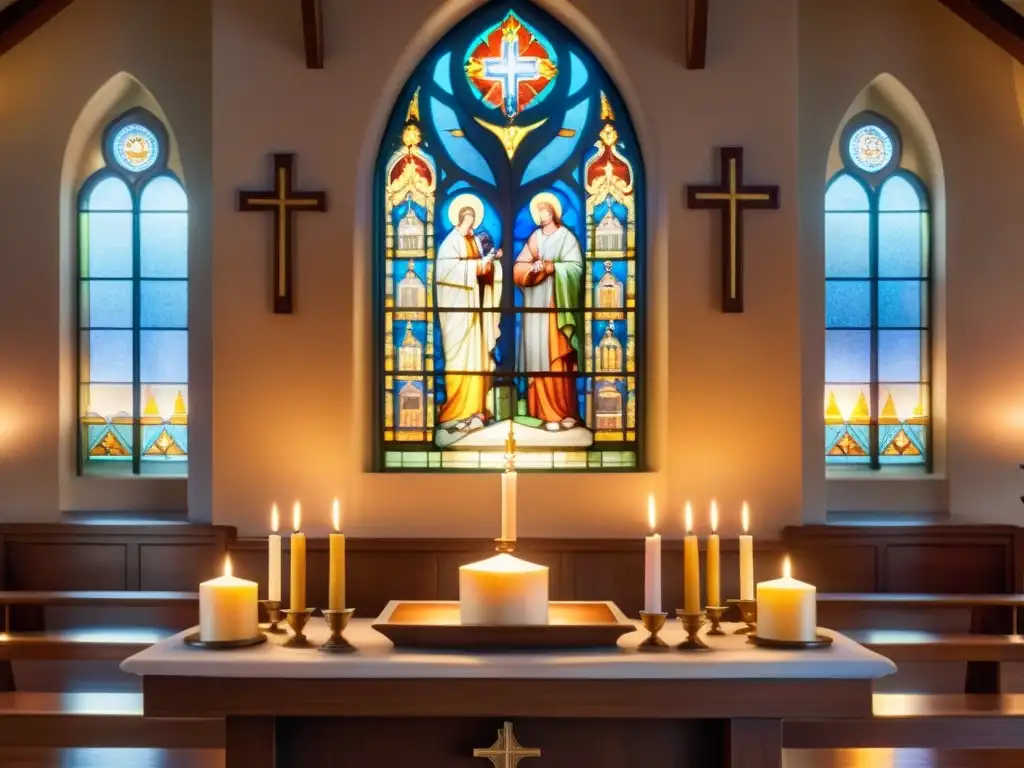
(786, 609)
(298, 562)
(508, 505)
(691, 566)
(714, 560)
(652, 563)
(503, 590)
(746, 558)
(336, 593)
(227, 608)
(274, 557)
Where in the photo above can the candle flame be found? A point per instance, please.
(787, 568)
(746, 517)
(652, 518)
(336, 514)
(275, 519)
(227, 565)
(688, 518)
(296, 516)
(714, 516)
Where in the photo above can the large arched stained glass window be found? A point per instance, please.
(133, 305)
(877, 263)
(509, 255)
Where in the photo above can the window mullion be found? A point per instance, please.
(136, 337)
(873, 227)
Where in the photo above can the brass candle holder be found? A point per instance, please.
(274, 616)
(692, 622)
(748, 612)
(297, 621)
(653, 623)
(715, 613)
(505, 546)
(336, 622)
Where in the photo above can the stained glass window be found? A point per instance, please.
(877, 343)
(509, 255)
(133, 306)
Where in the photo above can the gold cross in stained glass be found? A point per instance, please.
(282, 200)
(731, 197)
(506, 752)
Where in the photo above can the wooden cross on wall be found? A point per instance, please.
(731, 197)
(282, 200)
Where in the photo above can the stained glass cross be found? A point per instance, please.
(731, 196)
(282, 200)
(509, 70)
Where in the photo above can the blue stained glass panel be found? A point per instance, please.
(900, 355)
(913, 446)
(164, 244)
(559, 148)
(577, 74)
(901, 303)
(109, 194)
(898, 194)
(847, 356)
(465, 155)
(845, 193)
(163, 356)
(163, 194)
(900, 243)
(847, 245)
(164, 304)
(848, 304)
(108, 245)
(135, 148)
(443, 73)
(109, 355)
(106, 303)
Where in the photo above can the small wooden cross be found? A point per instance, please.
(283, 201)
(731, 196)
(506, 752)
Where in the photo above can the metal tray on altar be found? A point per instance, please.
(435, 625)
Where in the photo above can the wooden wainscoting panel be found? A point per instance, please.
(949, 567)
(837, 568)
(377, 577)
(66, 565)
(178, 566)
(616, 576)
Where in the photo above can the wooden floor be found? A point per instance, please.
(214, 758)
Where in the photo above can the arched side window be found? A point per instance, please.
(133, 305)
(877, 270)
(509, 256)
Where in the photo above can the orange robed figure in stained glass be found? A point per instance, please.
(549, 271)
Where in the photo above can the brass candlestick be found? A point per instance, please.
(506, 546)
(653, 623)
(715, 613)
(337, 621)
(692, 622)
(274, 616)
(748, 612)
(297, 621)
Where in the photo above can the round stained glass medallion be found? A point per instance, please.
(870, 148)
(136, 147)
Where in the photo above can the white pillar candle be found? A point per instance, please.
(746, 558)
(691, 566)
(786, 609)
(227, 608)
(652, 563)
(336, 593)
(508, 505)
(714, 560)
(298, 562)
(503, 590)
(274, 557)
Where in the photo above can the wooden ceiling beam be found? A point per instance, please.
(996, 20)
(313, 33)
(23, 17)
(696, 33)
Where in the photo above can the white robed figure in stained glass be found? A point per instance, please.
(467, 279)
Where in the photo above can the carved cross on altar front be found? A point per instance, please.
(731, 196)
(283, 201)
(506, 752)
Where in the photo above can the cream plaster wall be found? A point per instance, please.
(46, 83)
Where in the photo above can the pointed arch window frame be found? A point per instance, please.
(136, 182)
(873, 183)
